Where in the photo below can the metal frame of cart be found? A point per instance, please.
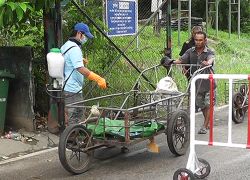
(140, 108)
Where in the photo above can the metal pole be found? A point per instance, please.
(137, 42)
(229, 18)
(230, 99)
(189, 16)
(239, 19)
(157, 20)
(168, 28)
(58, 35)
(217, 16)
(104, 11)
(137, 37)
(179, 21)
(206, 16)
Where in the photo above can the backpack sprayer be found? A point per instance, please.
(56, 62)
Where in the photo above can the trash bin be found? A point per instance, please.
(4, 87)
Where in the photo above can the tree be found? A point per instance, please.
(17, 11)
(22, 24)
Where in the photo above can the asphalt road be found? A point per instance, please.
(138, 163)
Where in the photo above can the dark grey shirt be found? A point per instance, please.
(191, 57)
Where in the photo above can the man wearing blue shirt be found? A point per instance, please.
(74, 71)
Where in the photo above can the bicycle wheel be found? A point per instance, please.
(238, 113)
(178, 132)
(73, 153)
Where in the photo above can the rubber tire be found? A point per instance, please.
(183, 170)
(208, 169)
(62, 149)
(238, 119)
(243, 89)
(171, 130)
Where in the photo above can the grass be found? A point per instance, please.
(232, 57)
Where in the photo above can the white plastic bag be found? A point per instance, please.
(167, 85)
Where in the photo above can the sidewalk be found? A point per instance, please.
(33, 142)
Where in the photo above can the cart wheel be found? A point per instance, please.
(204, 169)
(183, 174)
(239, 111)
(178, 132)
(72, 149)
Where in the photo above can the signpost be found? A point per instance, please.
(121, 17)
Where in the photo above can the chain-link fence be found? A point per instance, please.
(122, 66)
(145, 50)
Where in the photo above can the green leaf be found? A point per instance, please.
(19, 12)
(8, 16)
(23, 6)
(2, 3)
(30, 8)
(12, 5)
(2, 10)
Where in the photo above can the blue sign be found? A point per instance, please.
(121, 17)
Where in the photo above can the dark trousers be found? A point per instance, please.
(73, 115)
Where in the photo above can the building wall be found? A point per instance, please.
(18, 60)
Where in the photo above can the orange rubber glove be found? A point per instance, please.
(100, 81)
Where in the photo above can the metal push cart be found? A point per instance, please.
(124, 119)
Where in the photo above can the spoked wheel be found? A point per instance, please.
(183, 174)
(243, 89)
(238, 108)
(178, 132)
(204, 169)
(73, 153)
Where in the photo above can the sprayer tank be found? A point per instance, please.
(55, 62)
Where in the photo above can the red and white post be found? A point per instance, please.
(193, 163)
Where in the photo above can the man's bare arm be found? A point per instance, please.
(84, 71)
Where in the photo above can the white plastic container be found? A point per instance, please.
(55, 62)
